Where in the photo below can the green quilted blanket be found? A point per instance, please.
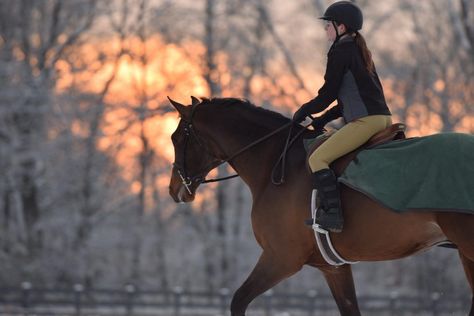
(432, 172)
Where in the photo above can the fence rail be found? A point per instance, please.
(130, 301)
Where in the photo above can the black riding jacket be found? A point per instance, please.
(358, 92)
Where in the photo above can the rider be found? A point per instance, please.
(350, 78)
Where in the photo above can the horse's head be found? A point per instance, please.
(193, 160)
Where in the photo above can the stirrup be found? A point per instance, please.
(319, 229)
(311, 222)
(333, 222)
(323, 239)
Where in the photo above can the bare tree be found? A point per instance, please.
(445, 70)
(35, 35)
(88, 209)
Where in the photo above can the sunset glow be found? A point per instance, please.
(136, 88)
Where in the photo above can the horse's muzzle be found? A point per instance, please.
(181, 193)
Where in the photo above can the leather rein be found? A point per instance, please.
(199, 178)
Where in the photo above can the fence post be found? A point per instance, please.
(131, 290)
(393, 301)
(78, 289)
(224, 294)
(434, 302)
(177, 291)
(26, 290)
(311, 296)
(267, 297)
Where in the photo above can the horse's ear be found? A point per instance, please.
(194, 101)
(182, 109)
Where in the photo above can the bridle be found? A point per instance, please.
(199, 177)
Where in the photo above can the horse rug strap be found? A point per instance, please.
(433, 172)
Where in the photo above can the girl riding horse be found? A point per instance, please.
(350, 78)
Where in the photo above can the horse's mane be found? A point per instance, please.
(243, 104)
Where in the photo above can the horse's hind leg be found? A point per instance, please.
(468, 265)
(459, 228)
(268, 271)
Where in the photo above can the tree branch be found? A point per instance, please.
(289, 60)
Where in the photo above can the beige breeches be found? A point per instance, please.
(349, 137)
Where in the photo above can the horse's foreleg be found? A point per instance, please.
(468, 265)
(341, 283)
(268, 271)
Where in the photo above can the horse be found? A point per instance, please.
(250, 139)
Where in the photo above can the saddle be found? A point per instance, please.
(393, 132)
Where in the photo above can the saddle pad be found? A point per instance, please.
(433, 172)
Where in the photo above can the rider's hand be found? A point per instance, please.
(301, 114)
(318, 123)
(321, 121)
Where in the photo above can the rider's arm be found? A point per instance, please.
(330, 115)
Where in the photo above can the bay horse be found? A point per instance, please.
(219, 130)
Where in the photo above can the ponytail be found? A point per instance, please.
(365, 52)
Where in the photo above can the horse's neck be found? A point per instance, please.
(235, 132)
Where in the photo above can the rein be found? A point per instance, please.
(188, 181)
(258, 141)
(282, 159)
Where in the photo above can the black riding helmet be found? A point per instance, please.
(345, 12)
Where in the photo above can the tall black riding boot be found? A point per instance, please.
(330, 218)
